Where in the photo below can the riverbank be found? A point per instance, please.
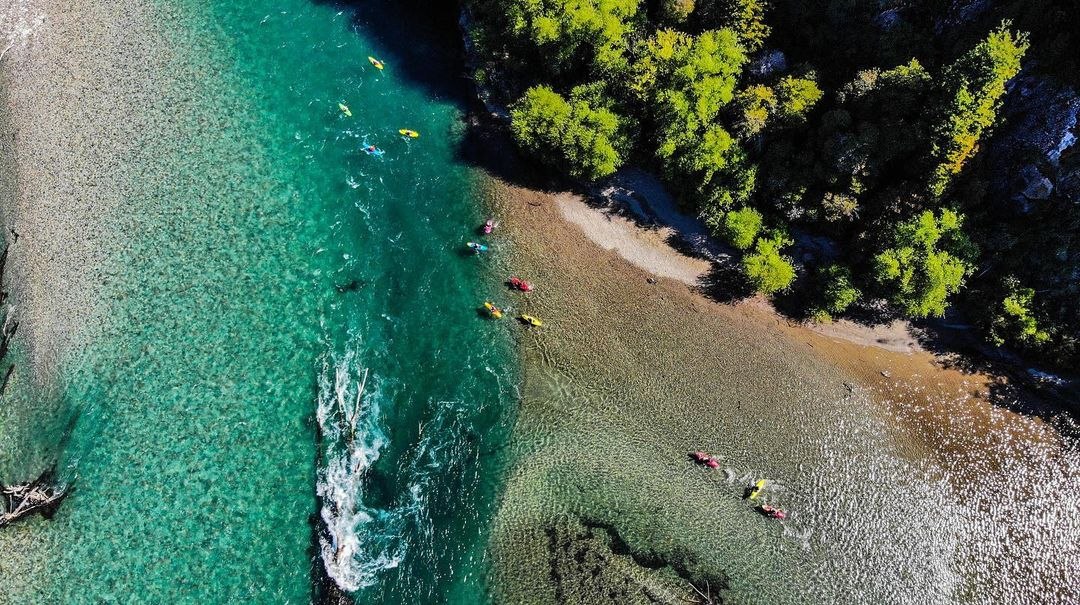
(67, 120)
(71, 120)
(634, 368)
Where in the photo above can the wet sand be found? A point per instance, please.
(634, 368)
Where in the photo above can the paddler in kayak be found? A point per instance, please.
(754, 491)
(405, 132)
(376, 63)
(517, 283)
(492, 310)
(771, 511)
(373, 150)
(490, 225)
(345, 110)
(477, 248)
(705, 459)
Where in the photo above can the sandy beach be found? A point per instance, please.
(634, 367)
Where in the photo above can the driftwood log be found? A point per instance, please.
(43, 495)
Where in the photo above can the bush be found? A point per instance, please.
(1014, 319)
(928, 263)
(741, 227)
(838, 292)
(768, 270)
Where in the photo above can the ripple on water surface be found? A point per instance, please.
(627, 377)
(250, 213)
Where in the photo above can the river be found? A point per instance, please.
(262, 252)
(293, 385)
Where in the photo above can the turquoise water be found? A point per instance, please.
(267, 255)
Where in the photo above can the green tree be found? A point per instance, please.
(576, 136)
(745, 17)
(741, 227)
(795, 97)
(756, 104)
(768, 270)
(565, 30)
(684, 81)
(972, 91)
(1014, 319)
(928, 263)
(676, 11)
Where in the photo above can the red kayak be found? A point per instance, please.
(519, 284)
(772, 512)
(705, 459)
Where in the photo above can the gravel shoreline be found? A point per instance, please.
(72, 115)
(71, 81)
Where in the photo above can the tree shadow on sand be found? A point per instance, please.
(725, 284)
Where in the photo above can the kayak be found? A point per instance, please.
(493, 310)
(345, 109)
(405, 132)
(519, 284)
(705, 459)
(377, 63)
(532, 321)
(478, 248)
(757, 489)
(772, 512)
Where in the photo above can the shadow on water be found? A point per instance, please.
(421, 40)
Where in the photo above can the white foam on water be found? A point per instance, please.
(359, 541)
(353, 549)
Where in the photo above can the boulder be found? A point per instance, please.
(768, 62)
(1035, 185)
(888, 19)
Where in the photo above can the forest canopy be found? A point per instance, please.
(791, 122)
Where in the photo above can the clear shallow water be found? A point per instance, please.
(263, 251)
(912, 494)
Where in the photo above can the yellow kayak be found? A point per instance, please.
(532, 321)
(405, 132)
(493, 310)
(377, 63)
(757, 489)
(344, 109)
